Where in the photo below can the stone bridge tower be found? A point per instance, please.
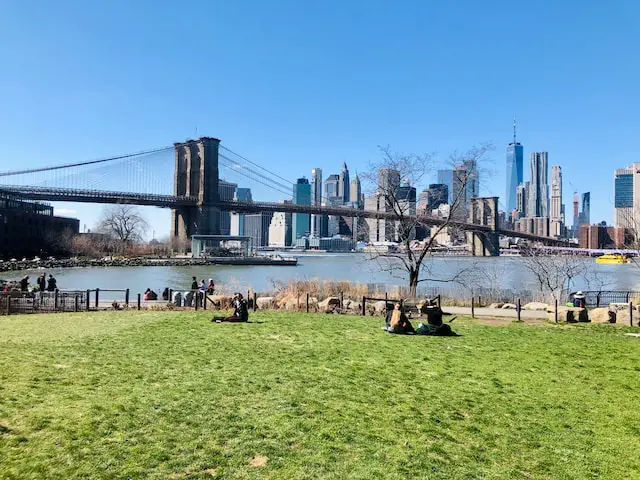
(484, 211)
(196, 175)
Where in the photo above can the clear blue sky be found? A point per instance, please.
(298, 84)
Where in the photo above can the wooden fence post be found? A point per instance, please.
(341, 300)
(204, 300)
(631, 314)
(473, 307)
(196, 300)
(255, 301)
(75, 303)
(55, 299)
(364, 305)
(518, 309)
(307, 302)
(87, 300)
(97, 297)
(126, 297)
(556, 312)
(8, 305)
(139, 295)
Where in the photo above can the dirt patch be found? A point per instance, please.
(258, 461)
(4, 428)
(188, 473)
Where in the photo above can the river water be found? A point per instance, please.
(507, 272)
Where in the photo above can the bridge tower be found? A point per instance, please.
(196, 175)
(484, 211)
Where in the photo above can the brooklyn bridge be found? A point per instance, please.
(138, 179)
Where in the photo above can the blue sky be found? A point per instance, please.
(294, 84)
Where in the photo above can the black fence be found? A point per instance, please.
(606, 297)
(60, 301)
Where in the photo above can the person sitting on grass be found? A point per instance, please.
(240, 312)
(398, 321)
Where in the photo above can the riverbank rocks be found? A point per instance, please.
(496, 305)
(570, 315)
(509, 306)
(602, 315)
(265, 303)
(380, 308)
(329, 305)
(221, 302)
(536, 306)
(622, 313)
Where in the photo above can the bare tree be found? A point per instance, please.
(388, 176)
(555, 275)
(124, 223)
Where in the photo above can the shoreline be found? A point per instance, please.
(145, 262)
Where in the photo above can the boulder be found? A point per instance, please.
(329, 305)
(570, 315)
(355, 307)
(508, 306)
(380, 308)
(496, 305)
(603, 315)
(265, 303)
(536, 306)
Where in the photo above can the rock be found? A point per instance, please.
(329, 305)
(570, 315)
(355, 307)
(380, 308)
(221, 302)
(265, 303)
(536, 306)
(508, 306)
(602, 315)
(496, 305)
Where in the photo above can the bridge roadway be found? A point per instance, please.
(170, 201)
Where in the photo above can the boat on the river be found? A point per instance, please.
(612, 258)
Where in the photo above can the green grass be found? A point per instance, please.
(170, 395)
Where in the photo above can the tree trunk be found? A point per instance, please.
(413, 282)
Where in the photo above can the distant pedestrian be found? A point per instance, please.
(42, 282)
(203, 286)
(52, 285)
(211, 287)
(24, 284)
(194, 284)
(165, 294)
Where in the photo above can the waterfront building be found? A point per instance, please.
(256, 226)
(445, 177)
(343, 183)
(331, 187)
(623, 183)
(316, 199)
(280, 230)
(301, 221)
(237, 219)
(602, 236)
(355, 192)
(227, 192)
(332, 244)
(515, 159)
(557, 216)
(539, 188)
(29, 229)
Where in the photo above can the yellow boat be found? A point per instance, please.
(613, 258)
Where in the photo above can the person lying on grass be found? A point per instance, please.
(240, 312)
(397, 321)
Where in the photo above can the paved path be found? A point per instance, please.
(494, 312)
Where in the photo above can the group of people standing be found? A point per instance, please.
(44, 285)
(209, 288)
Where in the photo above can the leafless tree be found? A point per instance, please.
(387, 176)
(555, 275)
(124, 223)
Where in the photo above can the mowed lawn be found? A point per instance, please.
(292, 396)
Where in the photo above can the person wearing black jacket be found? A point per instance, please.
(240, 311)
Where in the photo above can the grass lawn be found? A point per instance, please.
(293, 396)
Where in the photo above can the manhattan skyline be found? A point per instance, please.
(316, 85)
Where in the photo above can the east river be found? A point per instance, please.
(507, 272)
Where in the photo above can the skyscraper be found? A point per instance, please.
(585, 216)
(522, 199)
(301, 196)
(515, 158)
(331, 187)
(539, 191)
(556, 194)
(388, 180)
(343, 183)
(355, 191)
(472, 180)
(226, 191)
(445, 177)
(316, 199)
(623, 196)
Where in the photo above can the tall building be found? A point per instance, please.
(355, 192)
(227, 192)
(431, 198)
(256, 226)
(459, 195)
(539, 190)
(473, 180)
(585, 215)
(406, 195)
(624, 179)
(280, 230)
(316, 199)
(388, 180)
(445, 177)
(522, 199)
(237, 219)
(515, 159)
(380, 230)
(343, 183)
(301, 221)
(331, 186)
(556, 193)
(243, 195)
